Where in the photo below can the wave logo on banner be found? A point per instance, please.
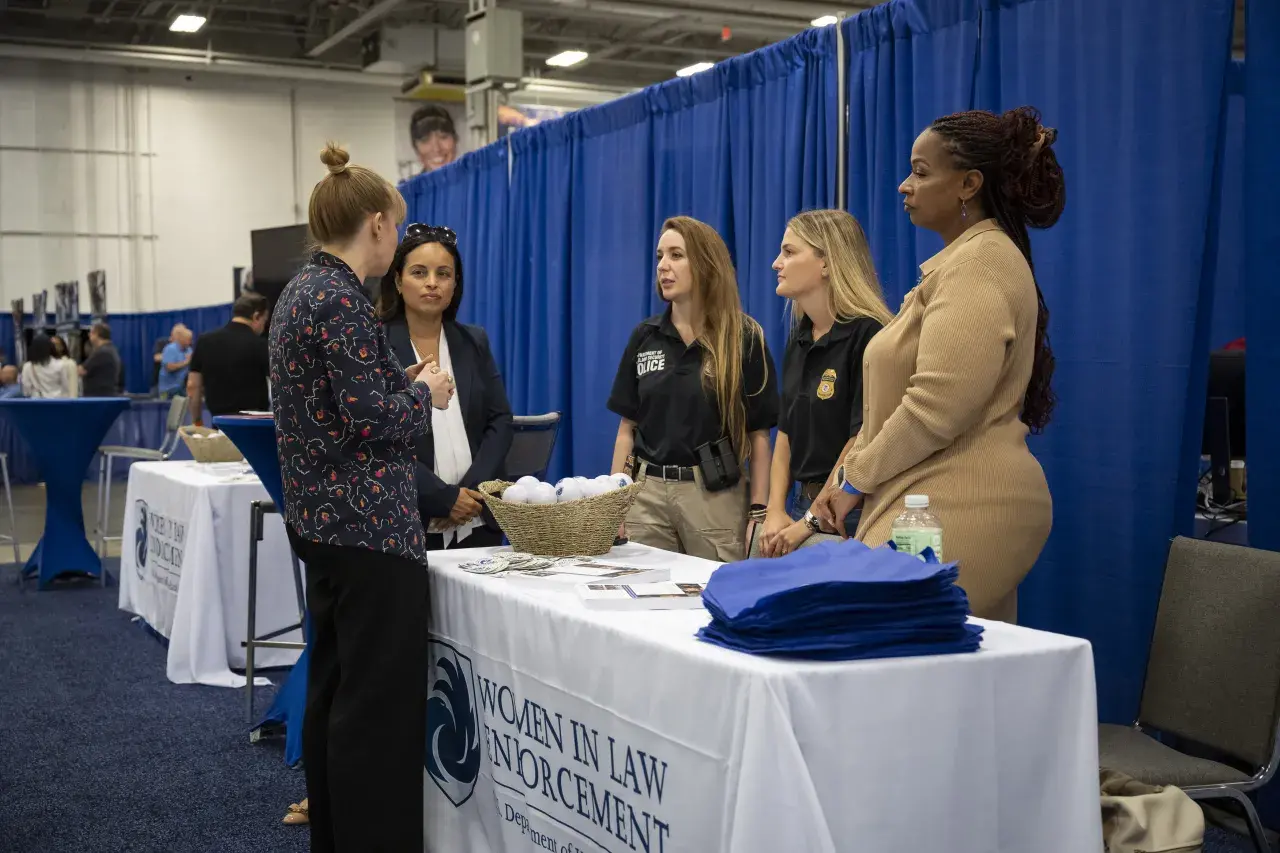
(453, 724)
(140, 541)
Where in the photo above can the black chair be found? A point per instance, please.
(1213, 679)
(532, 444)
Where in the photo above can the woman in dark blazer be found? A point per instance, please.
(469, 441)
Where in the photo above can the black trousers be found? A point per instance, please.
(364, 734)
(481, 537)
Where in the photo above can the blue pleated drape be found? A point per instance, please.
(1228, 223)
(538, 344)
(611, 263)
(910, 61)
(1138, 94)
(1262, 236)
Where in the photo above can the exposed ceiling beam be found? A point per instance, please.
(131, 56)
(595, 43)
(375, 13)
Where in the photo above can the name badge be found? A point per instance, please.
(827, 387)
(650, 362)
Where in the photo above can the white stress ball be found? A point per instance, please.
(591, 488)
(562, 481)
(516, 494)
(621, 480)
(543, 493)
(581, 480)
(568, 490)
(527, 482)
(605, 483)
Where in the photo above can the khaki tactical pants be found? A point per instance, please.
(685, 518)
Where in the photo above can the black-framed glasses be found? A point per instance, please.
(432, 233)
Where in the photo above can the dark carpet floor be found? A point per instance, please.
(99, 753)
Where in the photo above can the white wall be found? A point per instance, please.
(158, 177)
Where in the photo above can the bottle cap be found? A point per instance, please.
(917, 501)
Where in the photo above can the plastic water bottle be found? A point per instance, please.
(917, 528)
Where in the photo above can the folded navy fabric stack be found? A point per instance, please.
(839, 601)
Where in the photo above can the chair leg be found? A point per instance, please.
(106, 516)
(8, 495)
(1256, 831)
(99, 522)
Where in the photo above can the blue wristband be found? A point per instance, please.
(849, 489)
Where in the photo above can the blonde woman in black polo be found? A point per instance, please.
(825, 269)
(698, 396)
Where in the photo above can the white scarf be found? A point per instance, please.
(453, 451)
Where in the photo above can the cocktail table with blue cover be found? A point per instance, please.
(63, 435)
(255, 437)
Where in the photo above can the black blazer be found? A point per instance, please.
(485, 411)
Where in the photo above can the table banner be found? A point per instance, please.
(547, 770)
(157, 536)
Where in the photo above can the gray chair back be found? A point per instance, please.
(1214, 671)
(173, 422)
(532, 444)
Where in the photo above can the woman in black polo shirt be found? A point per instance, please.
(697, 395)
(825, 269)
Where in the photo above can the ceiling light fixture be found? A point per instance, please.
(187, 24)
(566, 58)
(824, 21)
(696, 68)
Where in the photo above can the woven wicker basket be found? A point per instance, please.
(214, 447)
(585, 527)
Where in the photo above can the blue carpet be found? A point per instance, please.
(100, 753)
(1218, 840)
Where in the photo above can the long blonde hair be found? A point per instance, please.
(853, 289)
(724, 325)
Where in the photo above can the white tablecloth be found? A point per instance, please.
(551, 727)
(184, 568)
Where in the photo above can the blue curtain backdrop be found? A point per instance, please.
(135, 336)
(537, 323)
(1262, 235)
(910, 61)
(1139, 96)
(1228, 273)
(611, 262)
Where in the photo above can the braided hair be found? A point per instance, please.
(1022, 186)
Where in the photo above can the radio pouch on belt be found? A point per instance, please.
(719, 465)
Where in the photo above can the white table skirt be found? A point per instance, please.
(185, 569)
(557, 728)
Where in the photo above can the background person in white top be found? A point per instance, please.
(469, 440)
(43, 376)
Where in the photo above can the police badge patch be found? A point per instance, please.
(827, 387)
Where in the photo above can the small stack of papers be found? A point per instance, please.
(839, 601)
(665, 595)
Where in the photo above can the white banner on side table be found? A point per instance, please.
(157, 530)
(184, 568)
(541, 769)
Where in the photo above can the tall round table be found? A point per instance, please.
(256, 439)
(62, 436)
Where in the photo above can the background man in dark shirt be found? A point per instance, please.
(102, 371)
(229, 367)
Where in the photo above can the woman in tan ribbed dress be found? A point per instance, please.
(955, 382)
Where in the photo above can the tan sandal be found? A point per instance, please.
(298, 814)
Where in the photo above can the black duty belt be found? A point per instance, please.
(668, 473)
